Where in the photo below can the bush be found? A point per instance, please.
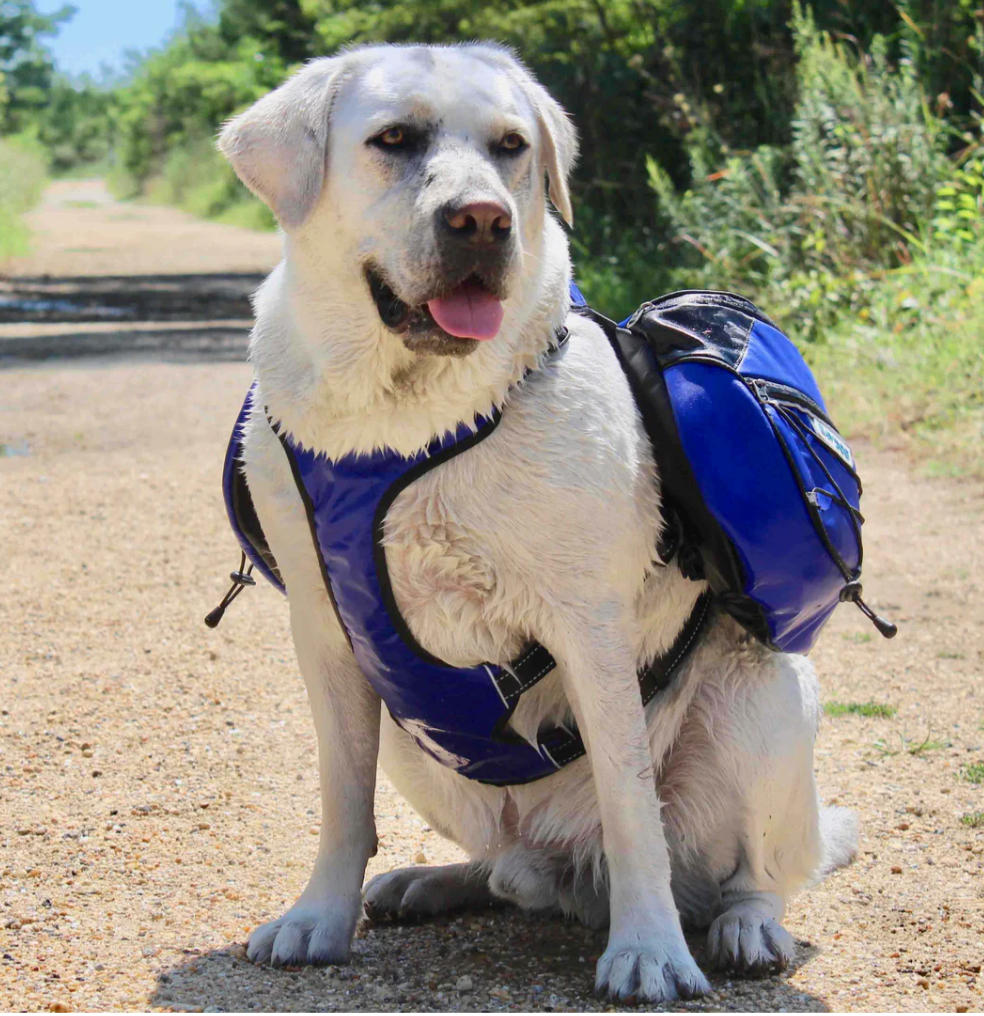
(197, 178)
(909, 362)
(806, 227)
(22, 179)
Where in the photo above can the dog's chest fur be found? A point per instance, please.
(559, 498)
(443, 575)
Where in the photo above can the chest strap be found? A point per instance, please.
(563, 745)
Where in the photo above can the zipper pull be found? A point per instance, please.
(761, 391)
(852, 593)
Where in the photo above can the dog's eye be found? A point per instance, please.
(392, 137)
(400, 140)
(512, 143)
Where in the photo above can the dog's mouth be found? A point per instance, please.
(470, 310)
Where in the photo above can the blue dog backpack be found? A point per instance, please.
(763, 491)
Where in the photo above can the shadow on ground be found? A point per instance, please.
(164, 317)
(181, 345)
(126, 298)
(515, 962)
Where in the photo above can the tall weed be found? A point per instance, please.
(806, 227)
(22, 179)
(195, 177)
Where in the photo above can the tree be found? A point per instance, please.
(26, 66)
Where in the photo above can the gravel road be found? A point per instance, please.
(158, 783)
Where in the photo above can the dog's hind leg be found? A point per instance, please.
(428, 891)
(543, 879)
(742, 802)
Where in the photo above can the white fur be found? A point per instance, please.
(702, 806)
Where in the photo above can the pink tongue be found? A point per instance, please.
(470, 312)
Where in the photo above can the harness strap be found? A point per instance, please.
(563, 746)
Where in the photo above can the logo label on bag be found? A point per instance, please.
(833, 441)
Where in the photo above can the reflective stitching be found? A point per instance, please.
(495, 684)
(529, 652)
(575, 749)
(536, 677)
(683, 649)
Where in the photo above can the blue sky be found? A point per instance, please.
(103, 30)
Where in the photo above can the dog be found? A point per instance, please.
(424, 280)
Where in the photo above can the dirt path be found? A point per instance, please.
(158, 786)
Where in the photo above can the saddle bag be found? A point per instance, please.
(760, 490)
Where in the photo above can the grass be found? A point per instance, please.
(974, 820)
(973, 773)
(870, 709)
(22, 179)
(912, 367)
(859, 637)
(196, 178)
(911, 748)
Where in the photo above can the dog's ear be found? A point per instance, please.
(559, 141)
(279, 146)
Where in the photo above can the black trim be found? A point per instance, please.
(246, 517)
(379, 521)
(707, 551)
(561, 336)
(312, 526)
(659, 674)
(563, 746)
(530, 667)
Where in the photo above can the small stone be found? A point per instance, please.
(150, 950)
(896, 870)
(64, 1007)
(420, 857)
(464, 984)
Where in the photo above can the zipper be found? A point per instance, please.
(771, 392)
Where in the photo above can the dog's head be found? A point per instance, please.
(420, 169)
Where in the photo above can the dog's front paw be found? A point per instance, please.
(748, 942)
(649, 968)
(307, 934)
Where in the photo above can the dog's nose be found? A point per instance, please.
(481, 223)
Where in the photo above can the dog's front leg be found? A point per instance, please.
(318, 928)
(647, 956)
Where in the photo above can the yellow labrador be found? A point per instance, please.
(381, 328)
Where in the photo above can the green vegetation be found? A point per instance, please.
(915, 748)
(826, 160)
(877, 709)
(22, 178)
(973, 773)
(973, 819)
